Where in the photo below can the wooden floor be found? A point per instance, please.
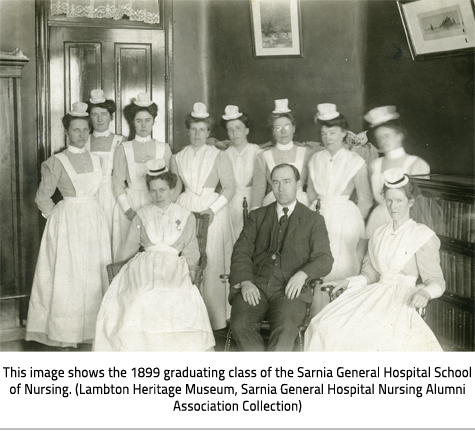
(33, 346)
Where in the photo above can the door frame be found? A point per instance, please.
(44, 21)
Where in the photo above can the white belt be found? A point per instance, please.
(204, 191)
(398, 278)
(161, 248)
(334, 199)
(79, 198)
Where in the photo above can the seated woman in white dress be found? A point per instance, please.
(390, 135)
(282, 122)
(334, 174)
(103, 143)
(201, 168)
(377, 312)
(243, 156)
(130, 165)
(70, 277)
(152, 304)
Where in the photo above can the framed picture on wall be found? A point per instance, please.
(436, 28)
(276, 28)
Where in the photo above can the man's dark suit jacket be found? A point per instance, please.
(306, 247)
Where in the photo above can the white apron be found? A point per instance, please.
(376, 317)
(299, 163)
(105, 196)
(243, 167)
(194, 171)
(330, 177)
(70, 277)
(137, 194)
(152, 304)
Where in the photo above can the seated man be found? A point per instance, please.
(281, 247)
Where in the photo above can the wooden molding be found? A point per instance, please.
(167, 11)
(43, 122)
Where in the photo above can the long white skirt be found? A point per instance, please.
(219, 249)
(138, 196)
(70, 277)
(152, 305)
(107, 201)
(345, 228)
(373, 318)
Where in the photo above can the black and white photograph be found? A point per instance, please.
(188, 186)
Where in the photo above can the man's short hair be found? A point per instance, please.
(288, 165)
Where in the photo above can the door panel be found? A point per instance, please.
(83, 70)
(134, 75)
(122, 62)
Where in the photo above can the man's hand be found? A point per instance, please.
(250, 293)
(295, 284)
(210, 213)
(192, 275)
(130, 214)
(419, 299)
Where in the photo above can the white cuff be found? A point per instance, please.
(219, 204)
(356, 281)
(124, 202)
(433, 289)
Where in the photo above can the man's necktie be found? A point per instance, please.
(283, 219)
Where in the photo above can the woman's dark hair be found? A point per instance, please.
(244, 118)
(109, 105)
(67, 119)
(130, 112)
(192, 120)
(169, 177)
(410, 189)
(339, 121)
(275, 116)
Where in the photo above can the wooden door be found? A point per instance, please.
(122, 62)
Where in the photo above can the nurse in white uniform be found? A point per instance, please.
(103, 143)
(130, 165)
(243, 156)
(282, 122)
(390, 135)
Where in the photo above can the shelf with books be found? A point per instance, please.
(447, 206)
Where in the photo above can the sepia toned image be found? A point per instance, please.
(267, 175)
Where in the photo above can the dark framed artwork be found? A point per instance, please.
(276, 28)
(437, 28)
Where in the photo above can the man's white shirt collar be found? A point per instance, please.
(280, 209)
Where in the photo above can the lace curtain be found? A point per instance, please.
(137, 10)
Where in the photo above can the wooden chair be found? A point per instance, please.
(202, 224)
(265, 325)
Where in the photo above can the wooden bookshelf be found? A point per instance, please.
(447, 206)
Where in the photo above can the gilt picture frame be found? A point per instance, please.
(438, 28)
(276, 28)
